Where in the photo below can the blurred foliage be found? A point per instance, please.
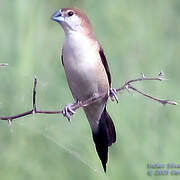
(137, 36)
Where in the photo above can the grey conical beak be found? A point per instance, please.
(57, 16)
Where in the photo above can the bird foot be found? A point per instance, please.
(68, 112)
(113, 94)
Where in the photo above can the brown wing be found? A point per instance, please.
(62, 57)
(104, 61)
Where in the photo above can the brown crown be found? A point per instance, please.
(85, 22)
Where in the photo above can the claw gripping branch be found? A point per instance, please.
(69, 110)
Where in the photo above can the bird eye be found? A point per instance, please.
(70, 13)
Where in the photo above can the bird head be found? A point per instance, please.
(72, 20)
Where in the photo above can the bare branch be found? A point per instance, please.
(143, 78)
(34, 94)
(34, 109)
(126, 86)
(3, 64)
(162, 101)
(16, 116)
(161, 77)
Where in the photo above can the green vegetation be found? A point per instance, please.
(137, 36)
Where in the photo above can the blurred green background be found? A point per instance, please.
(137, 36)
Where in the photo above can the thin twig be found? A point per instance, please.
(34, 95)
(16, 116)
(143, 78)
(3, 64)
(162, 101)
(127, 85)
(34, 109)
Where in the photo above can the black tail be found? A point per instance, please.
(104, 137)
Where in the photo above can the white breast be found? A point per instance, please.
(82, 66)
(79, 50)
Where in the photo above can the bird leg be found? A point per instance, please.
(68, 111)
(113, 94)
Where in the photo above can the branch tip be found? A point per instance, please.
(3, 64)
(172, 102)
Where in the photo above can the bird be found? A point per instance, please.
(88, 76)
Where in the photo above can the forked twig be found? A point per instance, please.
(127, 85)
(162, 101)
(34, 109)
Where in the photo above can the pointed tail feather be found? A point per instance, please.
(104, 137)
